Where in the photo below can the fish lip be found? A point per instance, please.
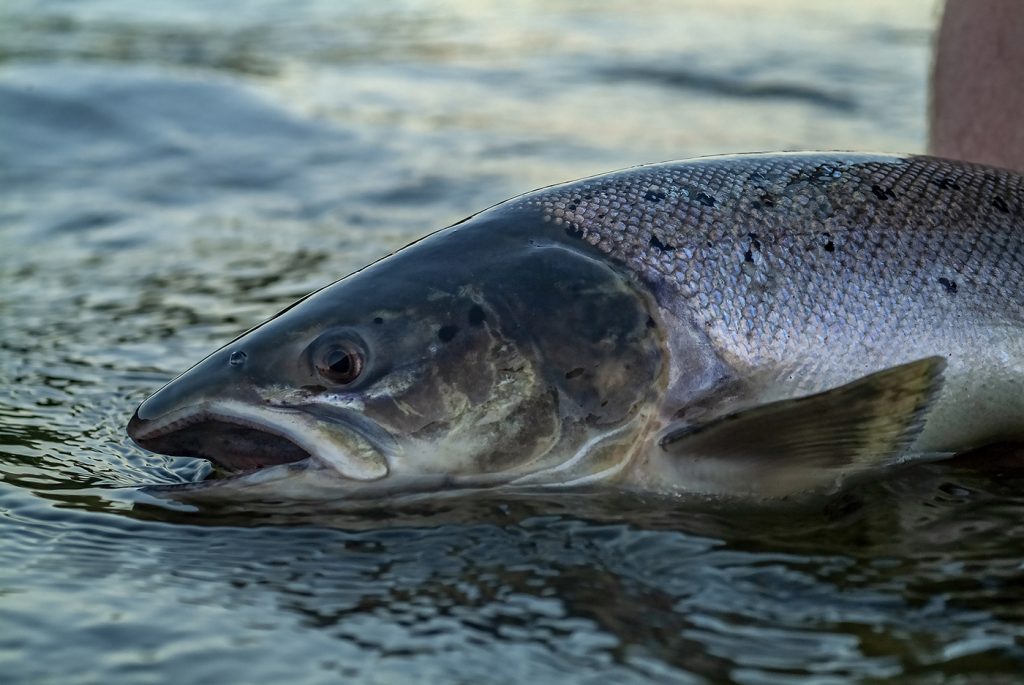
(299, 428)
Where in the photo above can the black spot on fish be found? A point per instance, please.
(447, 332)
(654, 196)
(754, 242)
(572, 207)
(764, 200)
(574, 232)
(1000, 204)
(748, 256)
(705, 199)
(883, 193)
(948, 284)
(578, 371)
(476, 315)
(664, 247)
(377, 320)
(650, 323)
(313, 389)
(946, 183)
(827, 245)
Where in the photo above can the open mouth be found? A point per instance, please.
(230, 446)
(240, 437)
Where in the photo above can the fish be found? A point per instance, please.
(757, 327)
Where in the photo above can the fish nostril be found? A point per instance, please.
(237, 358)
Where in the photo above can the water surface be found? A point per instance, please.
(174, 174)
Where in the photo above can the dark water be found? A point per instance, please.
(173, 174)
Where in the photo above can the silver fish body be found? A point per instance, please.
(807, 271)
(835, 311)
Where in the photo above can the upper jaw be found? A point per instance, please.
(273, 435)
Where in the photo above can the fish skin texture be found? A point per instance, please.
(808, 270)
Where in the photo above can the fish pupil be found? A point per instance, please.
(340, 362)
(342, 365)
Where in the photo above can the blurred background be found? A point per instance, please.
(385, 112)
(173, 173)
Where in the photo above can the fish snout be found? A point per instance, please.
(136, 426)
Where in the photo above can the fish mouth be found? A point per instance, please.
(241, 437)
(235, 447)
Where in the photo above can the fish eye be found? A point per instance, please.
(341, 363)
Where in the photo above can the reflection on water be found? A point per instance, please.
(173, 174)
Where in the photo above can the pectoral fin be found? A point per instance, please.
(868, 422)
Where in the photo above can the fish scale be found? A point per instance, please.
(808, 270)
(836, 236)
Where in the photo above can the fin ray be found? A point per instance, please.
(868, 422)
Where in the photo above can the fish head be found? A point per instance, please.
(481, 356)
